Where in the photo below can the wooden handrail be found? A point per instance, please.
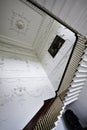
(40, 113)
(54, 101)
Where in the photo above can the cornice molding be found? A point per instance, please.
(13, 42)
(14, 47)
(43, 33)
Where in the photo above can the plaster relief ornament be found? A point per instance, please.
(19, 23)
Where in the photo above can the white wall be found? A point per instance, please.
(54, 67)
(80, 106)
(23, 88)
(24, 85)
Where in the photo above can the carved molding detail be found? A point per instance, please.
(19, 23)
(12, 46)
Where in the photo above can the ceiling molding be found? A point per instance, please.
(12, 46)
(43, 32)
(20, 23)
(9, 41)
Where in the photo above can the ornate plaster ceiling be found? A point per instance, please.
(19, 22)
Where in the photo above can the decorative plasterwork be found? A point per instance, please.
(19, 23)
(24, 29)
(11, 46)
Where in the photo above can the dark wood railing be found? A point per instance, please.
(47, 115)
(31, 125)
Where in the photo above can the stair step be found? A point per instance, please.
(75, 89)
(72, 97)
(73, 93)
(81, 69)
(82, 76)
(53, 128)
(70, 101)
(73, 84)
(56, 123)
(78, 80)
(84, 66)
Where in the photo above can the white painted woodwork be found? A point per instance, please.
(76, 84)
(79, 80)
(74, 92)
(80, 106)
(70, 101)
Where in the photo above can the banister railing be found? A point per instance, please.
(48, 114)
(53, 108)
(38, 121)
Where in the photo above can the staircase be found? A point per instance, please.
(76, 86)
(71, 84)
